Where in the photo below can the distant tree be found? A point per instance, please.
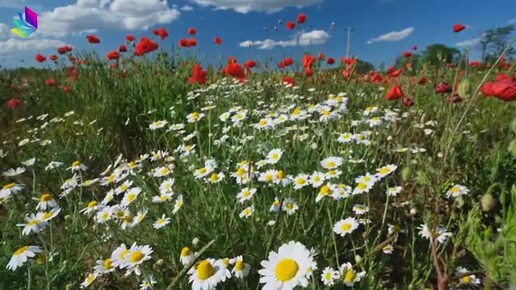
(493, 42)
(363, 67)
(437, 54)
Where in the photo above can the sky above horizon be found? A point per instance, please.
(381, 29)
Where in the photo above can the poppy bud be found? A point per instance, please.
(487, 202)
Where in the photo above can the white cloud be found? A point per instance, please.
(393, 35)
(186, 8)
(4, 30)
(16, 45)
(245, 6)
(469, 42)
(307, 38)
(94, 15)
(512, 21)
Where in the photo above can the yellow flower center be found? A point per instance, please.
(123, 253)
(76, 163)
(286, 269)
(300, 181)
(33, 222)
(45, 197)
(195, 115)
(384, 170)
(107, 264)
(454, 189)
(164, 171)
(90, 278)
(131, 164)
(185, 252)
(92, 204)
(205, 270)
(246, 193)
(331, 164)
(296, 111)
(239, 265)
(345, 227)
(9, 186)
(327, 276)
(131, 197)
(466, 280)
(362, 186)
(349, 277)
(202, 170)
(325, 190)
(326, 113)
(274, 156)
(280, 174)
(123, 187)
(268, 177)
(136, 257)
(214, 177)
(240, 172)
(47, 215)
(21, 250)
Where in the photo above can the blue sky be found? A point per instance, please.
(390, 26)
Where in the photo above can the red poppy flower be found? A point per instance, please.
(112, 55)
(122, 48)
(249, 64)
(217, 40)
(414, 47)
(308, 60)
(285, 62)
(40, 58)
(458, 27)
(330, 60)
(192, 31)
(192, 42)
(92, 38)
(301, 18)
(422, 81)
(394, 93)
(235, 70)
(145, 45)
(290, 25)
(407, 54)
(487, 89)
(475, 64)
(162, 33)
(53, 57)
(391, 72)
(13, 103)
(408, 102)
(455, 98)
(129, 37)
(289, 81)
(346, 73)
(504, 89)
(443, 88)
(64, 49)
(198, 75)
(50, 82)
(67, 89)
(321, 56)
(183, 42)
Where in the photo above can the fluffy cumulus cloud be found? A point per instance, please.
(93, 15)
(307, 38)
(18, 45)
(469, 42)
(245, 6)
(393, 35)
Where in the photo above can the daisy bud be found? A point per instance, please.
(195, 241)
(389, 138)
(487, 202)
(459, 202)
(406, 173)
(413, 211)
(358, 259)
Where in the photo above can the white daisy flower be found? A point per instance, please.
(326, 190)
(13, 172)
(247, 212)
(329, 275)
(393, 191)
(46, 200)
(289, 206)
(290, 267)
(33, 223)
(241, 269)
(300, 181)
(274, 156)
(11, 189)
(345, 226)
(388, 249)
(103, 267)
(178, 204)
(207, 274)
(331, 162)
(456, 191)
(136, 256)
(345, 138)
(317, 179)
(276, 205)
(465, 278)
(21, 256)
(246, 194)
(89, 280)
(385, 170)
(360, 209)
(187, 256)
(161, 222)
(53, 165)
(91, 207)
(158, 125)
(148, 282)
(77, 166)
(350, 276)
(130, 196)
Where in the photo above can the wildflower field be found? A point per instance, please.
(141, 170)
